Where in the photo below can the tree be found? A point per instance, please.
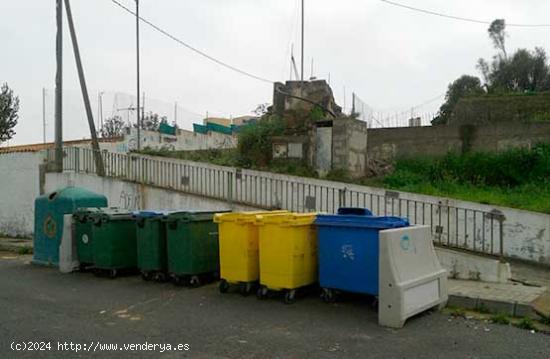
(497, 33)
(465, 85)
(113, 127)
(524, 71)
(151, 121)
(9, 109)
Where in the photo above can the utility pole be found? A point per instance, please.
(176, 113)
(101, 110)
(138, 87)
(142, 108)
(44, 115)
(303, 17)
(59, 89)
(95, 144)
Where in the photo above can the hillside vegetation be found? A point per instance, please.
(517, 178)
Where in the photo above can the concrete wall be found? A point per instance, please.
(19, 186)
(388, 143)
(349, 146)
(134, 196)
(461, 265)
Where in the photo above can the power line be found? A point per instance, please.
(181, 42)
(453, 17)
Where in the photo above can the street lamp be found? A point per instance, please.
(138, 89)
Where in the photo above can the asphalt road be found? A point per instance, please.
(41, 305)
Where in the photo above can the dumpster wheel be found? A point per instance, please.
(328, 295)
(223, 286)
(112, 273)
(262, 292)
(195, 281)
(147, 276)
(290, 296)
(161, 277)
(246, 288)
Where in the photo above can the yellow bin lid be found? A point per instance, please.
(244, 216)
(287, 219)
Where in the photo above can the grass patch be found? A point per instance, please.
(500, 318)
(24, 250)
(456, 311)
(518, 178)
(526, 323)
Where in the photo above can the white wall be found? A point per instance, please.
(134, 196)
(184, 141)
(19, 186)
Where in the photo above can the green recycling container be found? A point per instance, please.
(151, 245)
(114, 242)
(193, 249)
(49, 216)
(83, 235)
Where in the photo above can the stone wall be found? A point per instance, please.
(316, 91)
(389, 143)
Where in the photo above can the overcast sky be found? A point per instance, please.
(391, 57)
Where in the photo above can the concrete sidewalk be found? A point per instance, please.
(527, 294)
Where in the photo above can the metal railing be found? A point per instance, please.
(463, 228)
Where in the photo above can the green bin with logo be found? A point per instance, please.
(83, 225)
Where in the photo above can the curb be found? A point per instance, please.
(514, 309)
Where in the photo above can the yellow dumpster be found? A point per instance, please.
(288, 253)
(238, 236)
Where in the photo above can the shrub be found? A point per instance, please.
(255, 142)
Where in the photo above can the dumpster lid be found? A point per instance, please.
(383, 222)
(155, 213)
(85, 213)
(191, 216)
(68, 199)
(244, 217)
(356, 211)
(111, 214)
(287, 219)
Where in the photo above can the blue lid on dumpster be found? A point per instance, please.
(355, 211)
(384, 222)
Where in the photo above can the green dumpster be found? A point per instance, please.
(192, 243)
(151, 245)
(114, 247)
(83, 235)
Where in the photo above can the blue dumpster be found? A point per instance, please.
(348, 252)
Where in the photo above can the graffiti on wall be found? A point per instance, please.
(129, 200)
